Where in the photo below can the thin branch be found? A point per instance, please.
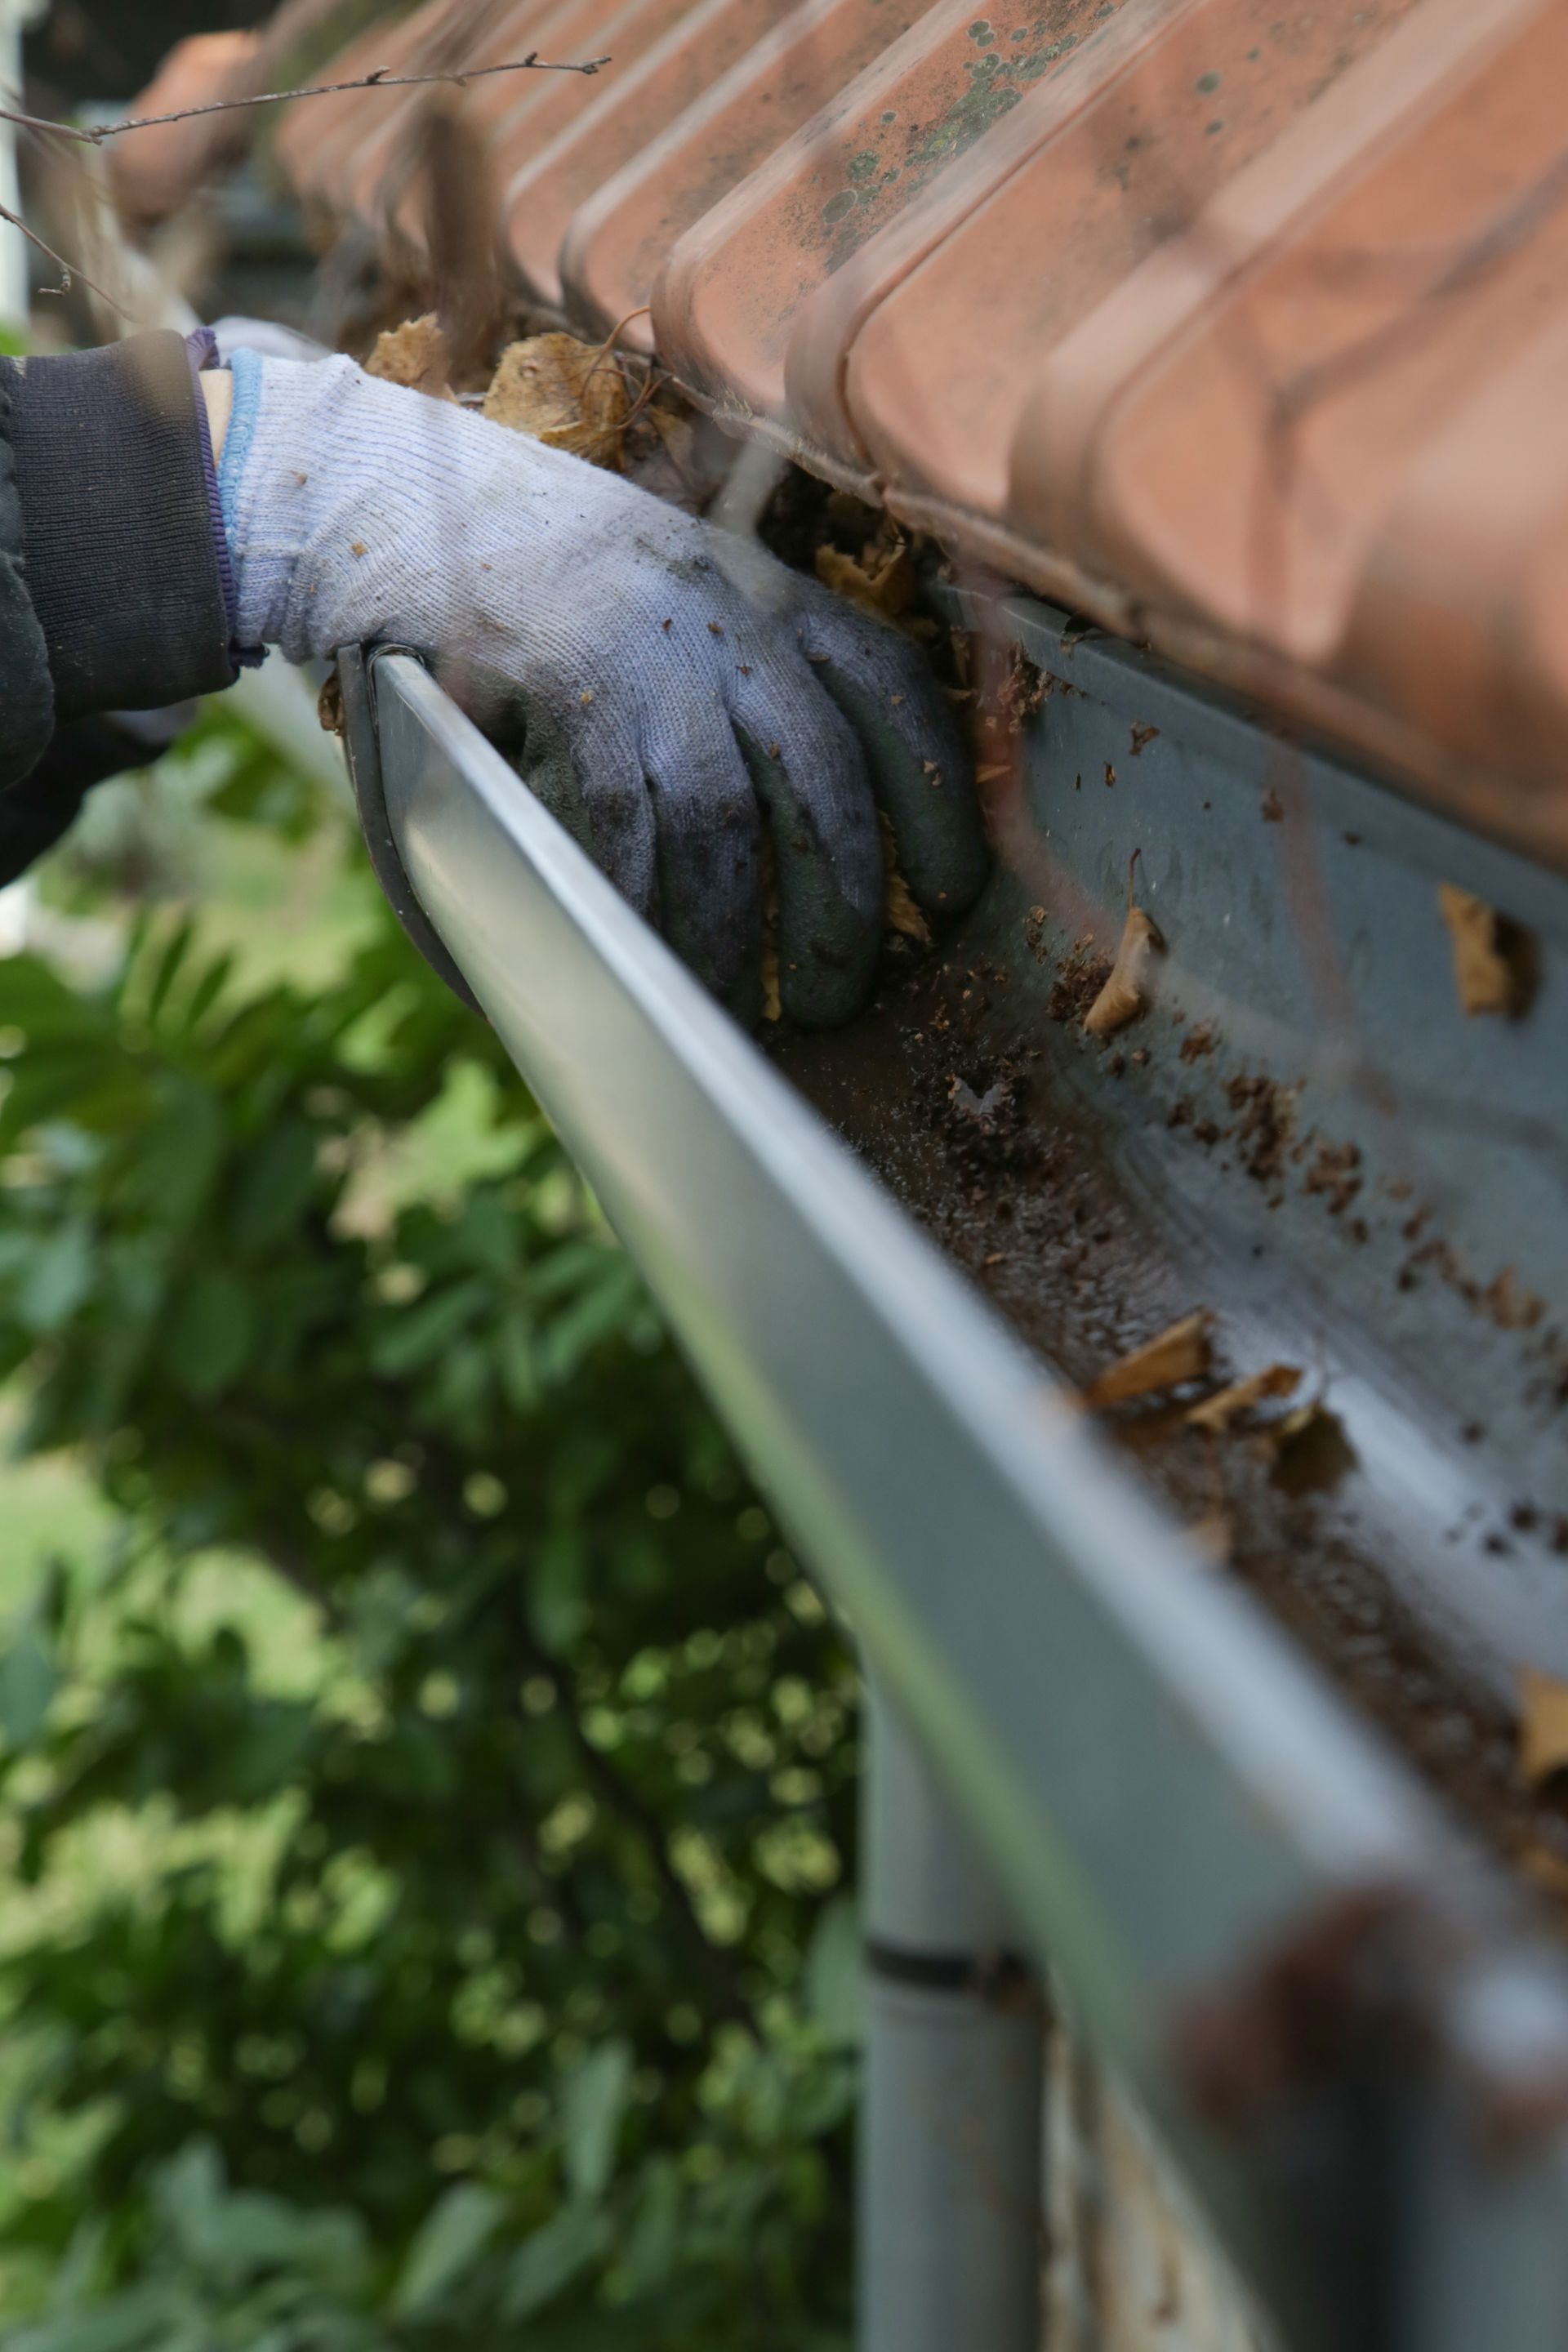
(95, 134)
(69, 271)
(606, 350)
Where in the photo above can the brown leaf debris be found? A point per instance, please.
(1488, 978)
(1216, 1414)
(414, 354)
(1512, 1307)
(1125, 992)
(568, 394)
(882, 578)
(1542, 1726)
(1180, 1353)
(1023, 692)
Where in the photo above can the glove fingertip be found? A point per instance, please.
(828, 988)
(921, 772)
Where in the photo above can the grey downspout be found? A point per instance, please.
(951, 2183)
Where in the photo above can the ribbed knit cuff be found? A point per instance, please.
(119, 548)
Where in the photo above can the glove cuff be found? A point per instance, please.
(122, 564)
(321, 470)
(261, 574)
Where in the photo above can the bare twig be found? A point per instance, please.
(69, 271)
(606, 350)
(95, 134)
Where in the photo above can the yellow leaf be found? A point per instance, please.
(883, 580)
(1181, 1353)
(1125, 992)
(1298, 1420)
(415, 355)
(1485, 976)
(1216, 1412)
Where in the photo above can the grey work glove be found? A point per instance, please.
(668, 688)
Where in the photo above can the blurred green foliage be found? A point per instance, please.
(438, 1924)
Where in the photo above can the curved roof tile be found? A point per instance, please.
(1239, 326)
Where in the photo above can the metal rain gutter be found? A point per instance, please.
(1169, 1793)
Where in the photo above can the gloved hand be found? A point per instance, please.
(668, 688)
(237, 333)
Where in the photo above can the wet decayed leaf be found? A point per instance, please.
(569, 394)
(329, 705)
(1542, 1726)
(1181, 1353)
(1126, 993)
(1217, 1412)
(1311, 1448)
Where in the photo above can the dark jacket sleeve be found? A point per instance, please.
(27, 695)
(46, 802)
(110, 593)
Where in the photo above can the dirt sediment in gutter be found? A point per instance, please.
(947, 1095)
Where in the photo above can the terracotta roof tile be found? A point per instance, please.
(621, 239)
(553, 185)
(1239, 326)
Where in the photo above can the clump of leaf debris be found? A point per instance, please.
(566, 394)
(592, 399)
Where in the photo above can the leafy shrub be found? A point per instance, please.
(481, 1961)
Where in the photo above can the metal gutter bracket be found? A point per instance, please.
(951, 2191)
